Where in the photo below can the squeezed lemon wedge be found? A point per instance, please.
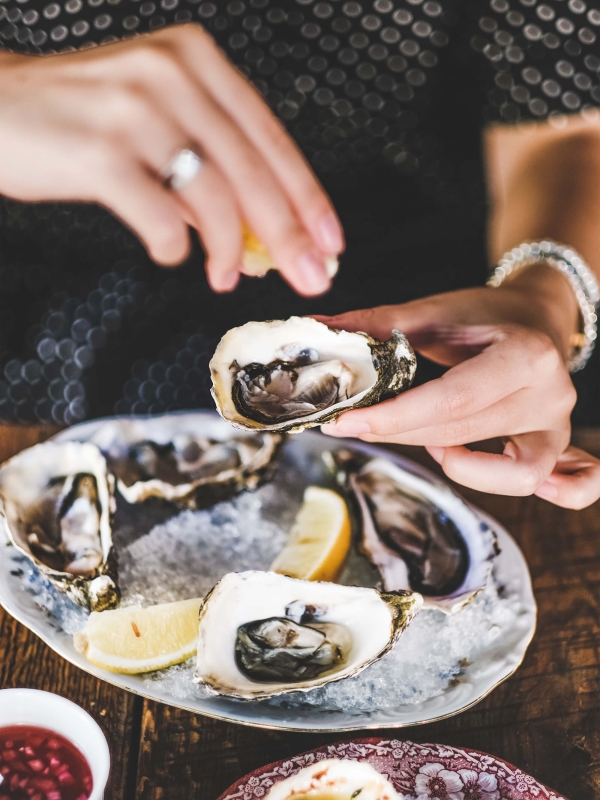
(257, 260)
(132, 640)
(320, 538)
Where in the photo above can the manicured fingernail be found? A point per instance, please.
(547, 491)
(351, 428)
(227, 281)
(312, 271)
(437, 453)
(329, 230)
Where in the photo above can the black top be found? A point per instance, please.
(387, 98)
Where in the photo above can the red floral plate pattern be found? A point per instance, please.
(419, 771)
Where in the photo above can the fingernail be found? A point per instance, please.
(329, 230)
(547, 491)
(311, 269)
(226, 282)
(437, 453)
(351, 428)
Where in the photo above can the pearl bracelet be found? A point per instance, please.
(582, 280)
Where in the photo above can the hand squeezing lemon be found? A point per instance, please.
(257, 260)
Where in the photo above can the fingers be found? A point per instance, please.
(147, 207)
(176, 86)
(468, 388)
(516, 366)
(380, 322)
(517, 413)
(243, 104)
(206, 203)
(574, 482)
(526, 463)
(257, 192)
(214, 214)
(429, 317)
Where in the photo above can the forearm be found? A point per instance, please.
(545, 183)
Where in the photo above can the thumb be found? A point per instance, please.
(575, 481)
(525, 464)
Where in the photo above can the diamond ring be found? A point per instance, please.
(181, 169)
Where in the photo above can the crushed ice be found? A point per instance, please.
(180, 558)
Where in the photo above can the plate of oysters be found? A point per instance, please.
(224, 564)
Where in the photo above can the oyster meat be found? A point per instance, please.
(288, 375)
(263, 634)
(56, 501)
(335, 779)
(165, 457)
(418, 533)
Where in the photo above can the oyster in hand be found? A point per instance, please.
(56, 503)
(263, 634)
(288, 375)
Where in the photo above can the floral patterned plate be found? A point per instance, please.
(417, 771)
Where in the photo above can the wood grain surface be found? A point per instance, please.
(545, 718)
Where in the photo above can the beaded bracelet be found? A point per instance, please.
(579, 275)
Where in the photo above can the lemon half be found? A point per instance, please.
(320, 538)
(133, 640)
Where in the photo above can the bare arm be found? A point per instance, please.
(544, 181)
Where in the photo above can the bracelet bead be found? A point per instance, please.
(582, 281)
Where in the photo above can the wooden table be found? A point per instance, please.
(545, 719)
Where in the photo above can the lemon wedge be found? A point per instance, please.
(257, 260)
(320, 538)
(132, 640)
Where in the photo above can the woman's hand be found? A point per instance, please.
(101, 125)
(506, 349)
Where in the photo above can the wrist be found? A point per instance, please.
(546, 301)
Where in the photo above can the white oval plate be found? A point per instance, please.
(478, 679)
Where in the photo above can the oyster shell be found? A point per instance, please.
(56, 501)
(419, 534)
(263, 634)
(288, 375)
(335, 779)
(165, 457)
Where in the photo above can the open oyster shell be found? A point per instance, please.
(288, 375)
(166, 458)
(418, 533)
(56, 501)
(335, 779)
(263, 634)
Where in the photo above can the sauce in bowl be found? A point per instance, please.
(38, 764)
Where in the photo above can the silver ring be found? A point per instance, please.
(181, 169)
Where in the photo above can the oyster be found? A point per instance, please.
(419, 534)
(288, 375)
(55, 503)
(335, 779)
(263, 634)
(165, 457)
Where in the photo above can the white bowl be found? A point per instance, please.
(46, 710)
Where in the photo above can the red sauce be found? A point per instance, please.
(38, 764)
